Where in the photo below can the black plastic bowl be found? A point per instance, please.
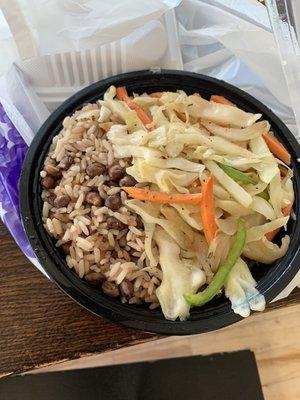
(217, 313)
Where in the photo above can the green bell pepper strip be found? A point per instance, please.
(199, 299)
(236, 175)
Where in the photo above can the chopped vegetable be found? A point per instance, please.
(277, 148)
(257, 232)
(163, 198)
(240, 289)
(237, 192)
(219, 279)
(221, 99)
(207, 210)
(123, 96)
(236, 134)
(179, 277)
(236, 175)
(268, 166)
(286, 212)
(265, 251)
(200, 165)
(220, 113)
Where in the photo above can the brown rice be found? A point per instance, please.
(93, 249)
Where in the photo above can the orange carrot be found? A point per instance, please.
(221, 100)
(160, 197)
(207, 210)
(123, 96)
(277, 148)
(285, 211)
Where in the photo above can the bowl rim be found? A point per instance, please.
(211, 318)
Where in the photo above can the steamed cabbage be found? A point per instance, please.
(241, 290)
(178, 278)
(187, 140)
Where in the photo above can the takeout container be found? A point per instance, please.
(272, 279)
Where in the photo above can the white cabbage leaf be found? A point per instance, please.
(149, 232)
(255, 189)
(157, 137)
(220, 193)
(263, 207)
(232, 207)
(221, 114)
(236, 191)
(265, 251)
(218, 250)
(235, 134)
(104, 114)
(240, 288)
(276, 194)
(172, 215)
(124, 151)
(165, 179)
(177, 163)
(179, 278)
(268, 167)
(241, 163)
(190, 214)
(117, 134)
(175, 231)
(227, 225)
(257, 232)
(193, 136)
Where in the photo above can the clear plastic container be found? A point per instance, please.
(285, 19)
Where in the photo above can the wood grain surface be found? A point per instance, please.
(40, 325)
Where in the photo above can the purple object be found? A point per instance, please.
(12, 153)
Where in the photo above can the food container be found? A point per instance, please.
(216, 314)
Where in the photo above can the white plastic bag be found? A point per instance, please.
(232, 40)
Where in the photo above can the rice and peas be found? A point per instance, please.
(141, 247)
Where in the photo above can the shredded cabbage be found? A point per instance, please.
(236, 191)
(179, 277)
(170, 227)
(240, 288)
(175, 154)
(208, 110)
(268, 168)
(257, 232)
(238, 135)
(265, 251)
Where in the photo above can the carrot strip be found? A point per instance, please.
(285, 211)
(123, 96)
(277, 148)
(160, 197)
(141, 114)
(207, 210)
(221, 100)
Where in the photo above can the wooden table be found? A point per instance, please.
(40, 325)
